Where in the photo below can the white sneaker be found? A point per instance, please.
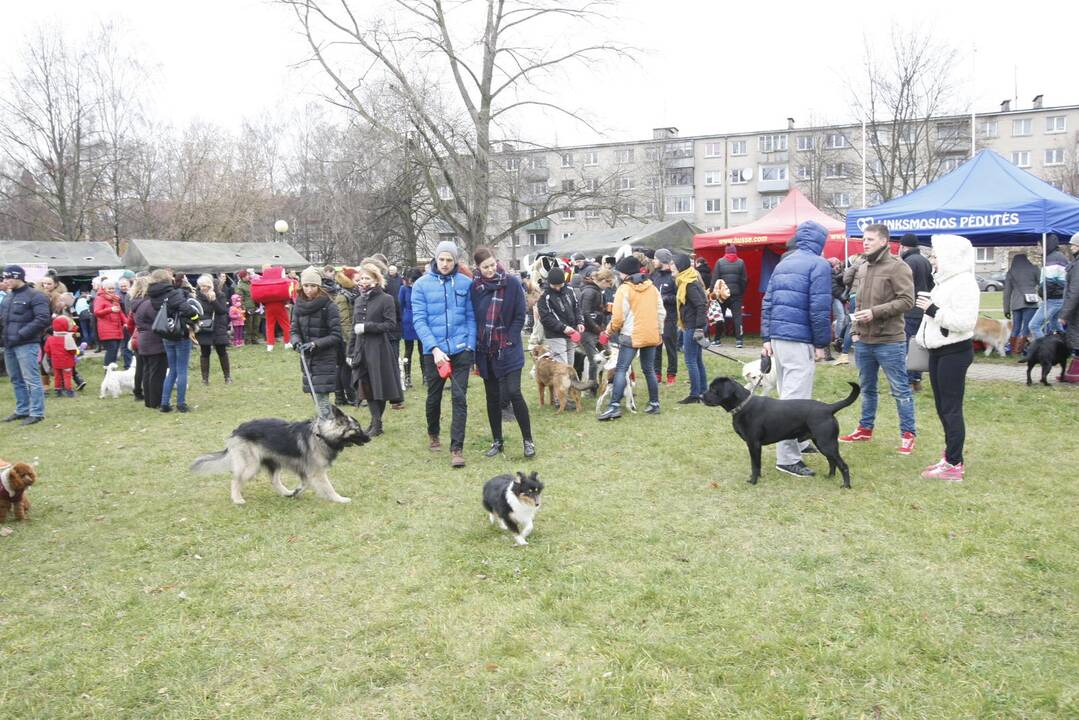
(269, 348)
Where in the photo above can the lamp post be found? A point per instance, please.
(280, 227)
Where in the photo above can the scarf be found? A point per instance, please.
(683, 280)
(492, 333)
(731, 257)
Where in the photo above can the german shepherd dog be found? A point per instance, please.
(306, 448)
(557, 377)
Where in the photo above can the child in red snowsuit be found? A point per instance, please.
(61, 349)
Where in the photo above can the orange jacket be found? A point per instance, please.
(638, 312)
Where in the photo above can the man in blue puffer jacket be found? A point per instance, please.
(795, 326)
(443, 317)
(24, 317)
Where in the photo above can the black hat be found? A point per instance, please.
(628, 265)
(681, 262)
(909, 240)
(555, 276)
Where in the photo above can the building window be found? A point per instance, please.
(681, 149)
(805, 172)
(737, 178)
(652, 182)
(624, 156)
(770, 202)
(1054, 156)
(875, 166)
(588, 185)
(835, 170)
(805, 142)
(772, 143)
(713, 177)
(1056, 124)
(950, 163)
(569, 215)
(444, 192)
(591, 214)
(567, 160)
(1021, 128)
(537, 237)
(990, 129)
(513, 164)
(841, 200)
(949, 132)
(873, 198)
(567, 235)
(738, 147)
(680, 177)
(833, 141)
(678, 205)
(713, 206)
(537, 188)
(738, 204)
(651, 153)
(1021, 158)
(983, 254)
(650, 208)
(625, 183)
(713, 149)
(627, 208)
(568, 186)
(591, 158)
(882, 136)
(773, 172)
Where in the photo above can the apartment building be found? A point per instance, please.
(726, 179)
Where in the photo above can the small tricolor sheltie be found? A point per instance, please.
(513, 502)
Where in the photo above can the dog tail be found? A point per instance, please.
(583, 384)
(212, 464)
(854, 390)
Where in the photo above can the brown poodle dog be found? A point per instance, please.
(14, 479)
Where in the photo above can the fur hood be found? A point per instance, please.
(344, 280)
(956, 295)
(955, 255)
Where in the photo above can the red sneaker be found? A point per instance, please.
(945, 471)
(906, 443)
(860, 435)
(671, 379)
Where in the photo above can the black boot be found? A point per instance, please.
(226, 368)
(204, 366)
(376, 407)
(496, 448)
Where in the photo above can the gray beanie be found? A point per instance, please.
(664, 256)
(447, 246)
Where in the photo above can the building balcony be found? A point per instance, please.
(766, 186)
(537, 225)
(675, 163)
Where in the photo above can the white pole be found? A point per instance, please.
(1045, 256)
(863, 163)
(973, 97)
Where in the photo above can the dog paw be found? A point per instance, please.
(342, 500)
(241, 501)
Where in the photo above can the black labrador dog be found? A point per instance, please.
(761, 421)
(1047, 351)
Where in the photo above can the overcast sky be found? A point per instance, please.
(704, 66)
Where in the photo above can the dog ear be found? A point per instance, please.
(21, 476)
(520, 478)
(533, 476)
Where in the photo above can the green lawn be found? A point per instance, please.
(657, 584)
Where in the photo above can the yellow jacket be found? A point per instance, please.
(638, 312)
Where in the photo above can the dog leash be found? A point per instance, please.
(310, 383)
(751, 392)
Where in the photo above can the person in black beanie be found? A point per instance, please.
(663, 279)
(560, 315)
(922, 270)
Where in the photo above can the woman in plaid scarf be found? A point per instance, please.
(499, 303)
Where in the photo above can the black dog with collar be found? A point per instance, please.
(761, 421)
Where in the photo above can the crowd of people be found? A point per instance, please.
(478, 317)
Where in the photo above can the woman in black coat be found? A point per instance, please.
(372, 352)
(499, 350)
(692, 306)
(213, 329)
(316, 334)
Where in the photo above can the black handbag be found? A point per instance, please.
(169, 327)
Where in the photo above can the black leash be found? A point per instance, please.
(745, 402)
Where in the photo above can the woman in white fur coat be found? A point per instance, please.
(951, 311)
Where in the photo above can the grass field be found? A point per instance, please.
(657, 584)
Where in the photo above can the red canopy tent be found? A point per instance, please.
(761, 242)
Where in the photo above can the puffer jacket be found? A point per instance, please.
(885, 285)
(593, 307)
(219, 333)
(557, 309)
(797, 304)
(442, 311)
(1054, 271)
(344, 296)
(24, 316)
(110, 325)
(317, 321)
(921, 271)
(638, 313)
(1021, 280)
(733, 273)
(668, 291)
(404, 302)
(955, 297)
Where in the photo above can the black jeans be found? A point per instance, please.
(670, 343)
(502, 390)
(154, 368)
(462, 366)
(734, 304)
(948, 373)
(112, 350)
(222, 357)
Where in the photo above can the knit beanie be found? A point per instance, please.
(731, 249)
(311, 276)
(556, 277)
(909, 240)
(664, 256)
(681, 262)
(628, 265)
(447, 246)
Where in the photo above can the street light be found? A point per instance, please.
(280, 227)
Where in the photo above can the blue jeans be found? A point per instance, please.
(648, 363)
(848, 331)
(1021, 321)
(892, 357)
(178, 354)
(839, 317)
(694, 357)
(1047, 314)
(22, 367)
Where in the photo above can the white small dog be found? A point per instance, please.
(117, 382)
(751, 373)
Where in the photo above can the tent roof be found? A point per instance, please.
(671, 234)
(204, 257)
(66, 258)
(986, 199)
(777, 226)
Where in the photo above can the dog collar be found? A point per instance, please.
(741, 405)
(544, 355)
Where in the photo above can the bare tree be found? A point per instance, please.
(823, 169)
(486, 51)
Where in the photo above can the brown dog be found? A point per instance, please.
(14, 479)
(993, 334)
(561, 379)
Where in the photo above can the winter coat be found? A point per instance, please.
(24, 317)
(577, 281)
(921, 271)
(886, 286)
(150, 343)
(1069, 312)
(797, 304)
(1021, 280)
(499, 363)
(343, 296)
(593, 308)
(1054, 270)
(110, 325)
(442, 311)
(695, 308)
(243, 289)
(394, 283)
(317, 321)
(955, 297)
(668, 292)
(404, 303)
(638, 313)
(705, 272)
(373, 353)
(734, 274)
(839, 288)
(559, 309)
(219, 334)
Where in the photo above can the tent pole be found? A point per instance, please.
(1045, 257)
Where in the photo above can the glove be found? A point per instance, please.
(444, 369)
(348, 361)
(358, 328)
(307, 347)
(297, 345)
(603, 338)
(575, 336)
(700, 339)
(1008, 315)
